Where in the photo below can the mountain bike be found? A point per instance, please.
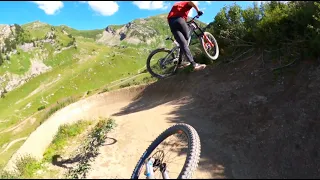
(174, 57)
(158, 163)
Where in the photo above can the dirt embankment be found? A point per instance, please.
(250, 125)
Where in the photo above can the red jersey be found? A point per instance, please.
(180, 9)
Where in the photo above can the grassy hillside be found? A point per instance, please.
(53, 64)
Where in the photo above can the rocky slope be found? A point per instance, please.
(145, 30)
(151, 30)
(16, 42)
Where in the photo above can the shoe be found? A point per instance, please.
(198, 67)
(184, 64)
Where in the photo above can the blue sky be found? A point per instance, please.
(85, 15)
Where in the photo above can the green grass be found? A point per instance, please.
(6, 155)
(37, 32)
(65, 134)
(90, 148)
(62, 59)
(9, 105)
(144, 78)
(18, 63)
(116, 27)
(26, 168)
(85, 33)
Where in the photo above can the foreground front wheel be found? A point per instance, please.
(180, 158)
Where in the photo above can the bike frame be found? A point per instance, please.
(191, 31)
(201, 35)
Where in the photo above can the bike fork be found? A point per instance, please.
(206, 38)
(149, 169)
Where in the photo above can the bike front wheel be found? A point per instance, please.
(188, 156)
(162, 63)
(210, 46)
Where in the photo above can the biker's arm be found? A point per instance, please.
(191, 3)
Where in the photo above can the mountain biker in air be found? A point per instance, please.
(177, 21)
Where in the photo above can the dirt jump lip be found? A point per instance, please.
(40, 139)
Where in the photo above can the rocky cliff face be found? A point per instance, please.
(17, 43)
(146, 30)
(6, 33)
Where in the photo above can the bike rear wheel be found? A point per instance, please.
(211, 52)
(191, 161)
(156, 63)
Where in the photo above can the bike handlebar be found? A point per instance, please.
(197, 16)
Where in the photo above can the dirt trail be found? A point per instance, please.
(245, 125)
(133, 133)
(128, 141)
(89, 108)
(242, 117)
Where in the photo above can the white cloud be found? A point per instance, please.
(151, 5)
(105, 8)
(191, 13)
(82, 1)
(209, 2)
(49, 7)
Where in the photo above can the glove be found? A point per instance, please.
(200, 13)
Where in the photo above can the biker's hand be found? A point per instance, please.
(200, 13)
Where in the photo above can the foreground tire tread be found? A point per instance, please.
(193, 155)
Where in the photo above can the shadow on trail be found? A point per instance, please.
(58, 161)
(249, 127)
(163, 92)
(62, 162)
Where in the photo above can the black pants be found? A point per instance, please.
(180, 31)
